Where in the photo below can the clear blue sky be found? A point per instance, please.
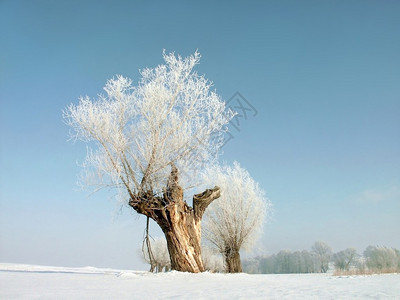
(324, 77)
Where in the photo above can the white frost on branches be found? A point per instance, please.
(235, 220)
(136, 133)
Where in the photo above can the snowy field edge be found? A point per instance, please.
(21, 281)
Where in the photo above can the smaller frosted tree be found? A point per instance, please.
(323, 253)
(236, 219)
(344, 259)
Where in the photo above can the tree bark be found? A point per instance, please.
(232, 261)
(180, 223)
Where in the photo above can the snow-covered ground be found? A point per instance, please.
(40, 282)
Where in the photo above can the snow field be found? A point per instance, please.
(40, 282)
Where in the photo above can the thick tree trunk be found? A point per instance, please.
(180, 223)
(183, 240)
(232, 261)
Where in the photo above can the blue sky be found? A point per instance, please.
(323, 77)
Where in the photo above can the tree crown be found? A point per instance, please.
(136, 134)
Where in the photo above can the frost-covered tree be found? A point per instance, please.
(150, 142)
(344, 259)
(382, 259)
(235, 220)
(323, 253)
(159, 251)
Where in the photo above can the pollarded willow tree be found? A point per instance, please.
(150, 142)
(235, 220)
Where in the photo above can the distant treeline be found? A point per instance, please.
(375, 259)
(282, 263)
